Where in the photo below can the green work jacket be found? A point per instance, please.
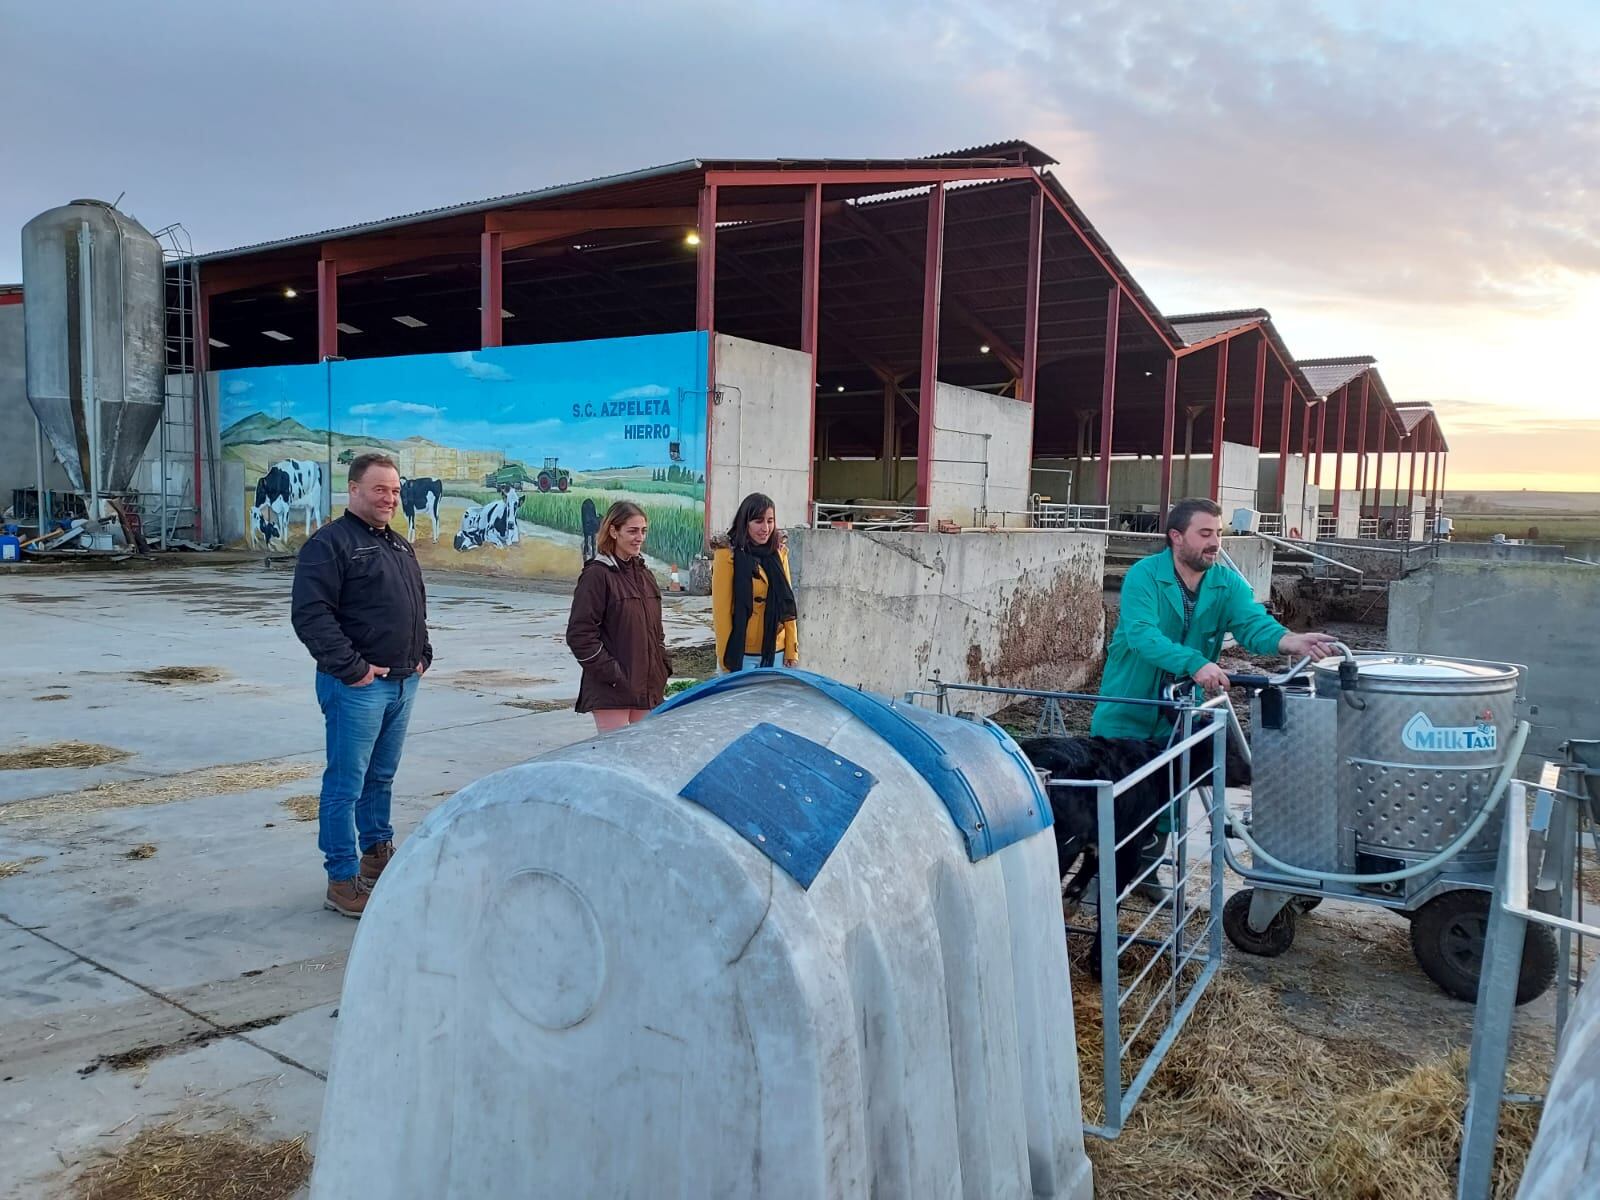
(1151, 648)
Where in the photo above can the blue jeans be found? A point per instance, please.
(366, 731)
(752, 662)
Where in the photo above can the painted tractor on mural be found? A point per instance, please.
(515, 475)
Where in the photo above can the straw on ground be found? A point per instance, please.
(162, 789)
(169, 1163)
(60, 754)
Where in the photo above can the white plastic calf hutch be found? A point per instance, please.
(783, 939)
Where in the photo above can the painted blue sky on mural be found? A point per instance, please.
(620, 402)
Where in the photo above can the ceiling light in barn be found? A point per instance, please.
(410, 322)
(840, 388)
(692, 238)
(346, 327)
(219, 345)
(289, 293)
(507, 314)
(983, 349)
(276, 336)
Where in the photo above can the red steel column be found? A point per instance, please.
(1427, 469)
(928, 382)
(810, 292)
(1411, 483)
(1260, 395)
(1338, 450)
(1377, 480)
(1283, 434)
(705, 313)
(1444, 473)
(491, 296)
(1108, 389)
(1322, 429)
(327, 308)
(1169, 421)
(1361, 450)
(1219, 415)
(202, 364)
(1030, 334)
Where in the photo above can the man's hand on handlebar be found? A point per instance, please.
(1318, 645)
(1212, 678)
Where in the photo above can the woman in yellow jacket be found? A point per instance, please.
(752, 602)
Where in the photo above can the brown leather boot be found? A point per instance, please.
(347, 897)
(375, 860)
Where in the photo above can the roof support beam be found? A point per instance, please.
(327, 309)
(491, 289)
(1169, 420)
(907, 266)
(1283, 434)
(1322, 429)
(1028, 380)
(1377, 483)
(1361, 443)
(1219, 418)
(1338, 451)
(928, 377)
(1259, 396)
(1108, 388)
(810, 303)
(893, 177)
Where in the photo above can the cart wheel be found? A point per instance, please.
(1273, 941)
(1306, 903)
(1447, 936)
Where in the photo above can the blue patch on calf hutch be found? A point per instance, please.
(789, 797)
(932, 744)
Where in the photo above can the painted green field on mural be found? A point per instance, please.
(677, 530)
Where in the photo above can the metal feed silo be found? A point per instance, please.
(95, 337)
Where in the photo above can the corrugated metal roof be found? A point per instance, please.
(998, 154)
(1412, 415)
(1328, 375)
(1195, 328)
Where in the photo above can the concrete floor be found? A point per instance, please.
(223, 925)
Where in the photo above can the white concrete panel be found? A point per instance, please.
(761, 431)
(981, 449)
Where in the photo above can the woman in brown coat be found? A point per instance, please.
(615, 628)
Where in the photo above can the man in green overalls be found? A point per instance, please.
(1175, 612)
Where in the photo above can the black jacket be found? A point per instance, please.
(359, 601)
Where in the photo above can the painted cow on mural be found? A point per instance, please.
(292, 483)
(591, 527)
(492, 524)
(420, 496)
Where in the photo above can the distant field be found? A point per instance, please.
(1551, 527)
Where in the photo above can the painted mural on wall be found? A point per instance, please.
(508, 457)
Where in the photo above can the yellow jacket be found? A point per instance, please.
(787, 644)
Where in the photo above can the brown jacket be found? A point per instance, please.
(615, 633)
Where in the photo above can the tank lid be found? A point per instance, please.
(1421, 667)
(96, 203)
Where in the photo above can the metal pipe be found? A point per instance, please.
(1300, 549)
(40, 493)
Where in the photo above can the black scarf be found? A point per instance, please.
(779, 607)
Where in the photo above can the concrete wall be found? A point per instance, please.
(1240, 465)
(884, 611)
(761, 431)
(981, 449)
(1253, 557)
(1540, 615)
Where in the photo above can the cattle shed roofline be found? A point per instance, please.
(1198, 329)
(997, 154)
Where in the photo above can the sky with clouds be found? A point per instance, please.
(1416, 181)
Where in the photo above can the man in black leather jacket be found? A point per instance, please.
(361, 609)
